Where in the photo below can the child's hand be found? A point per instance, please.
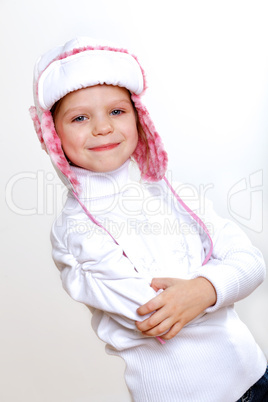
(180, 302)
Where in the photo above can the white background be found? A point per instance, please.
(207, 71)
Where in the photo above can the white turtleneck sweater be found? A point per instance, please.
(212, 359)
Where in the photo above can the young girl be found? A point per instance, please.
(161, 286)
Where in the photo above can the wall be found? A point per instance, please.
(207, 69)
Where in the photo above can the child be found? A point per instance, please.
(160, 286)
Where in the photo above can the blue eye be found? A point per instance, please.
(116, 112)
(80, 118)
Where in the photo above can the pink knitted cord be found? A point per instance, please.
(195, 217)
(99, 225)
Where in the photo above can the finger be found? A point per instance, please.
(151, 306)
(161, 283)
(154, 320)
(174, 330)
(160, 329)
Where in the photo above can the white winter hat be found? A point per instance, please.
(77, 65)
(83, 62)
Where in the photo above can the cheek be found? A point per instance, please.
(59, 130)
(137, 137)
(134, 140)
(134, 131)
(68, 135)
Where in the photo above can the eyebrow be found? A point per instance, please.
(73, 109)
(113, 101)
(128, 101)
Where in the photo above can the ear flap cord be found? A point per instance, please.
(193, 215)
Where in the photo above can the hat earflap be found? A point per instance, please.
(152, 168)
(51, 143)
(37, 126)
(54, 148)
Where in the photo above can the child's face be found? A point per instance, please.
(97, 127)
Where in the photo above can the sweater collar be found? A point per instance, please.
(97, 184)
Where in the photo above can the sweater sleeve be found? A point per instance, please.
(95, 271)
(236, 268)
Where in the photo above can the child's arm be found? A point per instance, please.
(181, 302)
(235, 269)
(94, 271)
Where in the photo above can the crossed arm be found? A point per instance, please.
(180, 302)
(111, 284)
(234, 271)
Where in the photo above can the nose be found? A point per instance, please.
(101, 126)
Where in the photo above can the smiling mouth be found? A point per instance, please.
(105, 147)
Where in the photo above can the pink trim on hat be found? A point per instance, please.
(86, 48)
(75, 51)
